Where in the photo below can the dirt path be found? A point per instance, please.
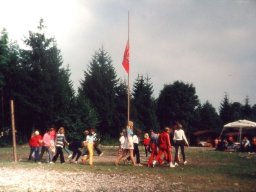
(45, 180)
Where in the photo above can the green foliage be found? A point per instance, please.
(177, 101)
(99, 85)
(120, 118)
(209, 118)
(144, 109)
(225, 110)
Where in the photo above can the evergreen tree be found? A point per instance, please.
(209, 117)
(99, 85)
(120, 118)
(225, 110)
(144, 110)
(254, 112)
(177, 101)
(236, 111)
(246, 110)
(48, 90)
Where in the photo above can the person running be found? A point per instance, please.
(60, 142)
(180, 141)
(164, 148)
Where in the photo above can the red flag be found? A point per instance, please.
(126, 59)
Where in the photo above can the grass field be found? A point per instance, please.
(207, 169)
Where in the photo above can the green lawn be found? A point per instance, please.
(207, 170)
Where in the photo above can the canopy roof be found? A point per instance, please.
(241, 124)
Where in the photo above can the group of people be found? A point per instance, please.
(226, 144)
(158, 144)
(54, 143)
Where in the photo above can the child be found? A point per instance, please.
(122, 151)
(36, 143)
(146, 143)
(60, 142)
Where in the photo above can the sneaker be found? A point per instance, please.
(51, 162)
(69, 156)
(101, 154)
(154, 163)
(176, 164)
(75, 162)
(185, 162)
(172, 165)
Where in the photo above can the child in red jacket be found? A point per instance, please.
(35, 143)
(146, 143)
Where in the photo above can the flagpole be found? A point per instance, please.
(128, 91)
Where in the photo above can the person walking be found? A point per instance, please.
(89, 143)
(146, 143)
(47, 143)
(75, 148)
(153, 146)
(36, 143)
(180, 141)
(164, 148)
(59, 143)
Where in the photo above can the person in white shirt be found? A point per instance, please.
(180, 140)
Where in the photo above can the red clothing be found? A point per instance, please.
(146, 141)
(53, 134)
(164, 147)
(164, 141)
(36, 141)
(153, 154)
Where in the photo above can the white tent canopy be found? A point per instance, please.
(240, 124)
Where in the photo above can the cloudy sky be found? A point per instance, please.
(210, 44)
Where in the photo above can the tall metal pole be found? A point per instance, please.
(128, 92)
(13, 132)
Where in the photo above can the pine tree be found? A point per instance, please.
(99, 86)
(225, 110)
(144, 110)
(120, 118)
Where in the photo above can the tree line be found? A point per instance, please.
(44, 95)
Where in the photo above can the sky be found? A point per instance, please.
(210, 44)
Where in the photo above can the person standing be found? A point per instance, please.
(60, 141)
(180, 141)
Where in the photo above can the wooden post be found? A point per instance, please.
(13, 132)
